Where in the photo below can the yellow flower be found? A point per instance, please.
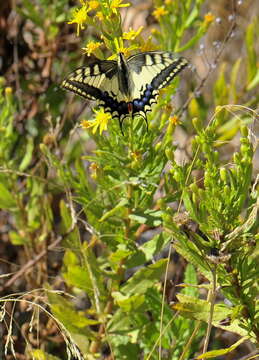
(79, 18)
(155, 31)
(91, 47)
(160, 11)
(8, 90)
(174, 120)
(100, 121)
(93, 170)
(136, 155)
(93, 5)
(100, 16)
(115, 4)
(208, 18)
(132, 34)
(118, 42)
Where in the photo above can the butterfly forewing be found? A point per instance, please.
(93, 80)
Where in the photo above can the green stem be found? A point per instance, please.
(211, 298)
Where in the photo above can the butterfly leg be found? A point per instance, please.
(146, 122)
(121, 123)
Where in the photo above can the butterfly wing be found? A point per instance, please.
(148, 72)
(151, 71)
(98, 81)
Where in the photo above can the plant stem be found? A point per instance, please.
(211, 298)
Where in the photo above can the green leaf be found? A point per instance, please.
(250, 43)
(71, 319)
(215, 353)
(118, 256)
(155, 245)
(254, 82)
(128, 303)
(73, 239)
(28, 154)
(190, 207)
(191, 18)
(18, 239)
(75, 275)
(149, 217)
(145, 278)
(7, 200)
(190, 278)
(148, 250)
(113, 211)
(194, 308)
(191, 253)
(192, 41)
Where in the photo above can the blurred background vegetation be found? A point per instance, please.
(87, 219)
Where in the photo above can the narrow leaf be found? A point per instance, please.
(215, 353)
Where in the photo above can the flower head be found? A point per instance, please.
(174, 120)
(93, 5)
(93, 170)
(100, 121)
(132, 34)
(119, 46)
(208, 18)
(159, 11)
(100, 16)
(148, 45)
(79, 17)
(115, 4)
(8, 90)
(91, 47)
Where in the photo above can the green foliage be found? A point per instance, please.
(116, 206)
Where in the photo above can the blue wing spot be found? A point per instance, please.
(139, 104)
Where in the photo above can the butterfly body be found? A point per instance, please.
(126, 87)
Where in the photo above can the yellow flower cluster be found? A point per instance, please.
(80, 15)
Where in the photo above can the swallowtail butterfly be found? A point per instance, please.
(126, 87)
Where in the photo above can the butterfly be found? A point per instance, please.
(126, 87)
